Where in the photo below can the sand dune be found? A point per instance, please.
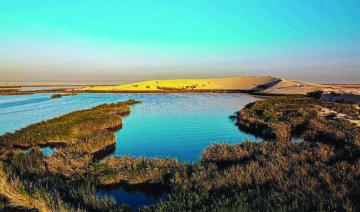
(261, 85)
(231, 83)
(297, 87)
(285, 86)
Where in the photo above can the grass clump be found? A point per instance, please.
(13, 193)
(55, 96)
(76, 158)
(135, 171)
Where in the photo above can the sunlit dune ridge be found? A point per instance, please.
(261, 84)
(231, 83)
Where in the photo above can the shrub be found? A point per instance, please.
(54, 96)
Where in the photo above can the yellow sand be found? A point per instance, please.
(231, 83)
(294, 87)
(265, 85)
(297, 87)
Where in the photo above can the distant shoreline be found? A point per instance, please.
(19, 85)
(6, 92)
(253, 85)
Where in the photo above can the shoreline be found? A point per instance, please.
(259, 86)
(352, 98)
(9, 92)
(79, 163)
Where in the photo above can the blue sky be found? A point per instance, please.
(115, 41)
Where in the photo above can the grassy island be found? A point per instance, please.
(55, 96)
(281, 118)
(320, 173)
(58, 95)
(81, 137)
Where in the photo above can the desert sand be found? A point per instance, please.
(260, 84)
(231, 83)
(285, 86)
(265, 85)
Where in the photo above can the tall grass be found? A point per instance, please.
(268, 176)
(319, 174)
(15, 195)
(281, 118)
(69, 128)
(135, 171)
(81, 138)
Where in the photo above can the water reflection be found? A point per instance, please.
(175, 125)
(47, 151)
(135, 197)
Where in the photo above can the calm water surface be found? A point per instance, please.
(134, 197)
(174, 125)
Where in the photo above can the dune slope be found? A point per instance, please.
(257, 84)
(231, 83)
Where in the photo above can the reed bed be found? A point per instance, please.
(12, 191)
(81, 138)
(320, 173)
(268, 176)
(135, 171)
(281, 118)
(69, 128)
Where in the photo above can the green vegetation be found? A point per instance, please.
(134, 171)
(55, 192)
(55, 96)
(70, 128)
(319, 174)
(322, 173)
(15, 90)
(80, 137)
(12, 191)
(281, 118)
(264, 176)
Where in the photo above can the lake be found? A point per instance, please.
(175, 125)
(163, 125)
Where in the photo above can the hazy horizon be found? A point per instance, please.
(102, 42)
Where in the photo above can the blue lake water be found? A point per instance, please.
(175, 125)
(47, 151)
(163, 125)
(133, 197)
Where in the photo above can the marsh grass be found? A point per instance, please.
(56, 96)
(135, 171)
(81, 138)
(280, 118)
(264, 176)
(13, 193)
(68, 128)
(319, 174)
